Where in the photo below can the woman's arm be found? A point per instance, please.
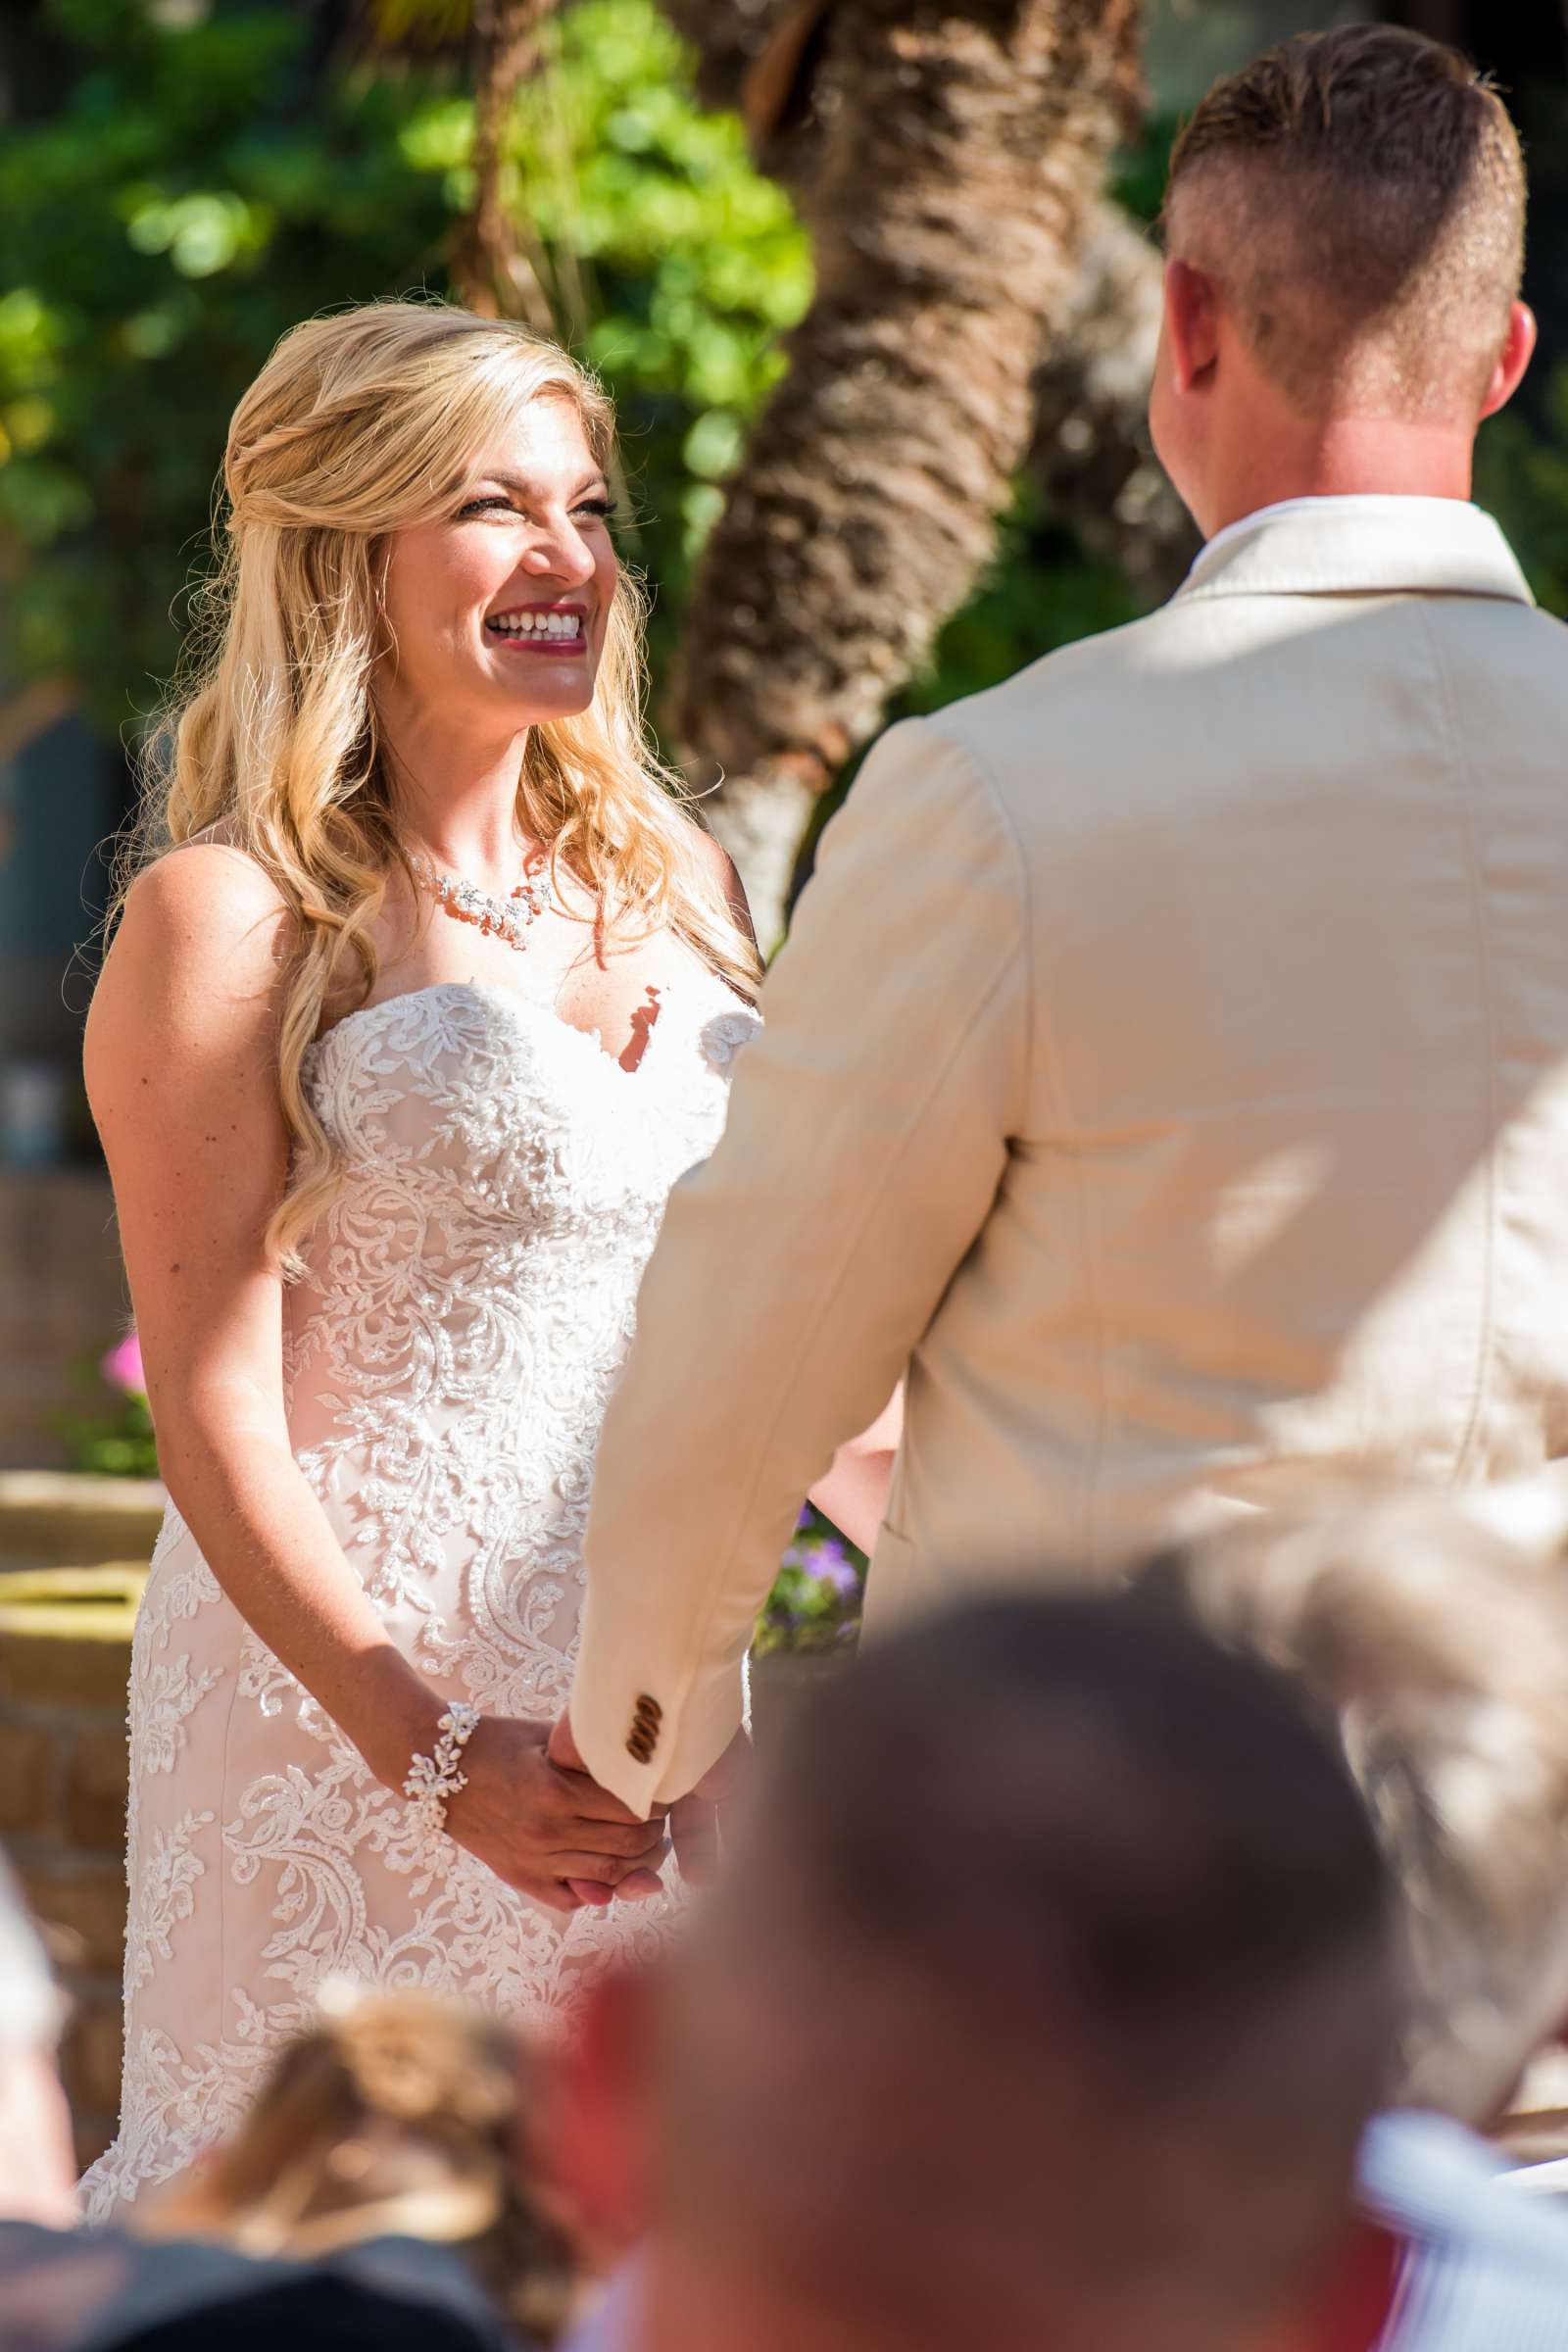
(181, 1065)
(855, 1492)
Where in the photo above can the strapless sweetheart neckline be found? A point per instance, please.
(519, 1003)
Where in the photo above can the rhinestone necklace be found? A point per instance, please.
(510, 919)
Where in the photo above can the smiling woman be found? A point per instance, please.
(529, 558)
(425, 995)
(399, 476)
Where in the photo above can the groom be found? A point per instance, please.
(1168, 1070)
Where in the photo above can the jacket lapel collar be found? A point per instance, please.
(1362, 547)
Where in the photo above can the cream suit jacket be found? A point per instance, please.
(1168, 1073)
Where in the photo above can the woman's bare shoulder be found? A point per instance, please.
(203, 915)
(726, 877)
(213, 877)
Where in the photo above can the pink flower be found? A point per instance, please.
(121, 1367)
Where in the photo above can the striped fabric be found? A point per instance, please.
(1487, 2267)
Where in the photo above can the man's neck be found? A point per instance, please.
(1353, 457)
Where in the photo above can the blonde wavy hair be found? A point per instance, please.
(397, 2114)
(362, 424)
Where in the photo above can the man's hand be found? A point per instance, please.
(635, 1885)
(696, 1820)
(693, 1819)
(547, 1828)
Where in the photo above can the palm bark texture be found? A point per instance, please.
(492, 272)
(957, 149)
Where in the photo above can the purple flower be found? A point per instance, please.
(121, 1367)
(834, 1566)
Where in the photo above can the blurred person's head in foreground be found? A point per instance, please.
(1442, 1651)
(38, 2167)
(1043, 1920)
(1344, 229)
(397, 2115)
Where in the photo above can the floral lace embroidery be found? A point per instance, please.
(165, 1896)
(172, 1691)
(448, 1358)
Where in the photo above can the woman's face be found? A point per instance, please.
(496, 612)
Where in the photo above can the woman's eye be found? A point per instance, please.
(601, 508)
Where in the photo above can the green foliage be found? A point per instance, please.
(113, 1443)
(423, 22)
(1141, 170)
(1522, 478)
(195, 196)
(675, 265)
(201, 191)
(815, 1600)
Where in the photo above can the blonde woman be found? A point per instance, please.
(426, 994)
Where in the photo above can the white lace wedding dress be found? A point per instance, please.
(447, 1361)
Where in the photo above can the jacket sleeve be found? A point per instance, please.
(797, 1269)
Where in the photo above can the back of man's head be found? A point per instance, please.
(1359, 197)
(1043, 2002)
(1443, 1651)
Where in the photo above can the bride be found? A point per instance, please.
(426, 994)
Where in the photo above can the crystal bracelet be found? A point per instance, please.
(433, 1779)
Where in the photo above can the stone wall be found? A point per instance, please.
(62, 1302)
(67, 1519)
(65, 1658)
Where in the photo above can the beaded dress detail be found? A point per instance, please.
(467, 1304)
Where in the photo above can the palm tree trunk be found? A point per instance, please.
(491, 273)
(961, 147)
(728, 37)
(1092, 454)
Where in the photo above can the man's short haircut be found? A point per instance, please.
(1360, 197)
(1054, 1961)
(1443, 1653)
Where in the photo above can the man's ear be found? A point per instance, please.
(1517, 353)
(1192, 324)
